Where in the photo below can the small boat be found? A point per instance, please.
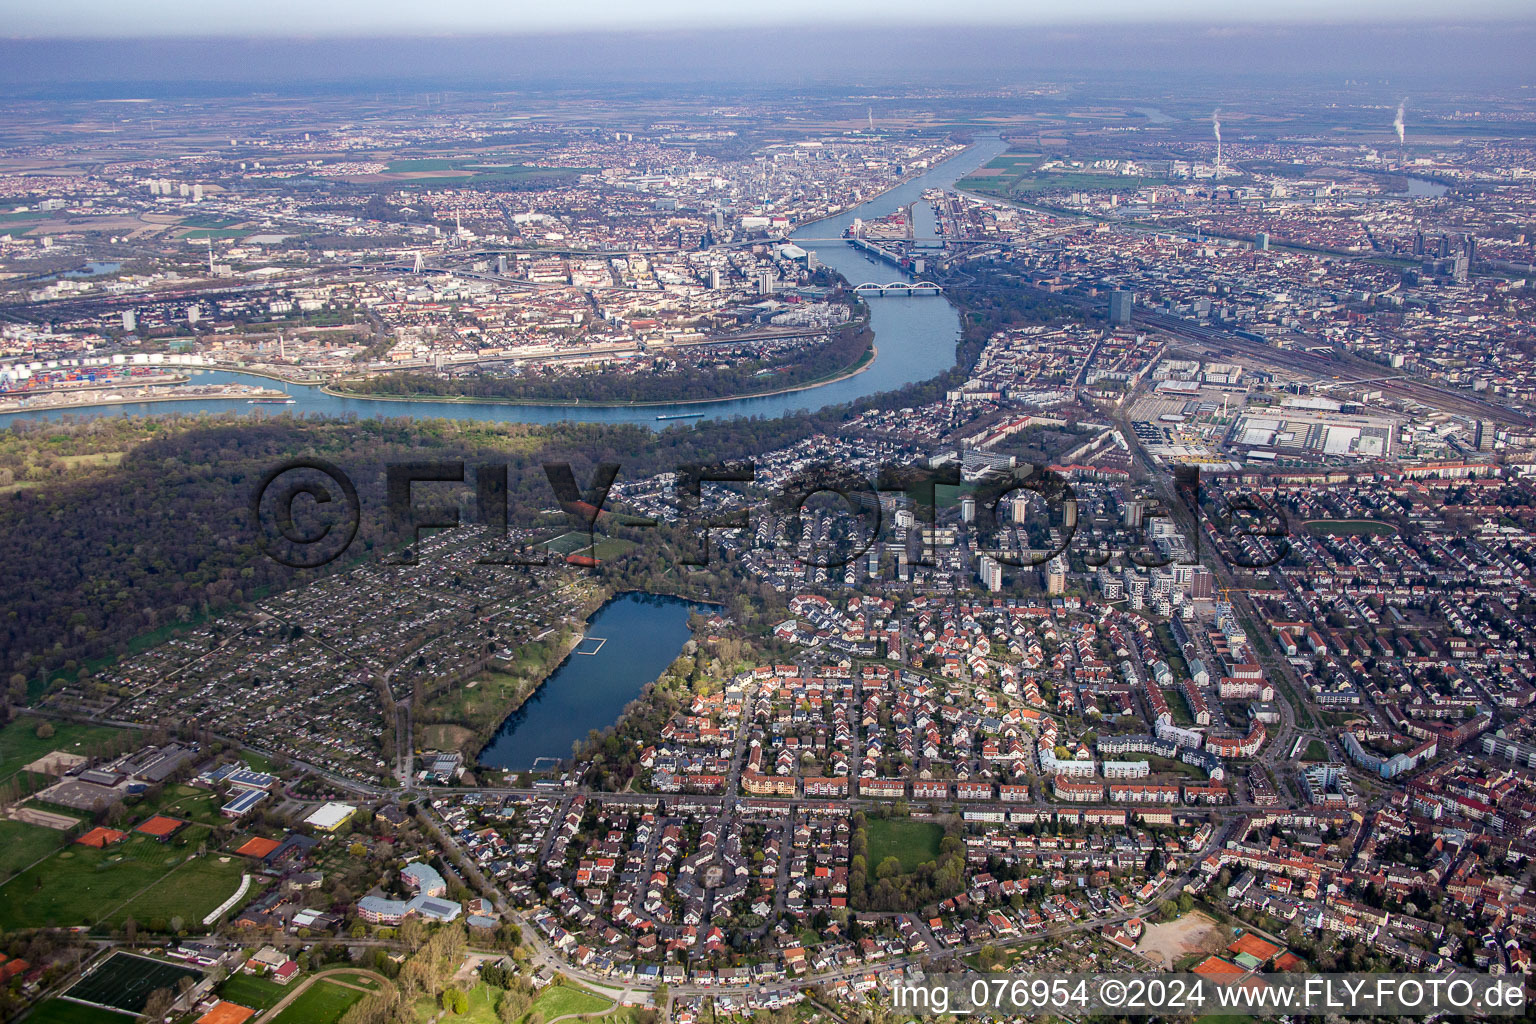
(271, 401)
(681, 416)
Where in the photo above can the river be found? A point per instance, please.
(640, 634)
(915, 339)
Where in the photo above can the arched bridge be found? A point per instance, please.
(898, 288)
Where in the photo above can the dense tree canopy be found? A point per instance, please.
(651, 384)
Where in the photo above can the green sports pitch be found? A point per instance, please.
(125, 981)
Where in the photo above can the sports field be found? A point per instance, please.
(126, 980)
(140, 877)
(321, 1003)
(1348, 527)
(62, 1011)
(250, 990)
(569, 543)
(192, 891)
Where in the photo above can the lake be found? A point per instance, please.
(94, 270)
(640, 634)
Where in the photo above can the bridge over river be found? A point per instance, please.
(898, 288)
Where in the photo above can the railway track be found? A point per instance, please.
(1345, 369)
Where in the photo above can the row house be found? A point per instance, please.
(1146, 792)
(1076, 792)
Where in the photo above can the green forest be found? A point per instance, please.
(107, 552)
(847, 349)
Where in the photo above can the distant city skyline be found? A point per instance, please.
(86, 19)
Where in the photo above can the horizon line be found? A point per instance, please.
(1205, 26)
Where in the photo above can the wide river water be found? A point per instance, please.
(630, 642)
(914, 337)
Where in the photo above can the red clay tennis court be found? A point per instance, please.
(1218, 967)
(1260, 949)
(101, 837)
(160, 827)
(225, 1012)
(258, 847)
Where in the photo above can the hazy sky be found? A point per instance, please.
(299, 18)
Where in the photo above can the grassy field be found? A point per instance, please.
(551, 1003)
(482, 1007)
(480, 703)
(141, 877)
(203, 221)
(569, 543)
(321, 1003)
(910, 842)
(576, 543)
(22, 844)
(608, 548)
(190, 892)
(20, 745)
(1316, 751)
(249, 990)
(559, 1000)
(435, 163)
(1173, 766)
(1348, 527)
(62, 1011)
(126, 981)
(185, 802)
(256, 762)
(1012, 165)
(201, 233)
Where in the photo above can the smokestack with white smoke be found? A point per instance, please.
(1397, 122)
(1216, 128)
